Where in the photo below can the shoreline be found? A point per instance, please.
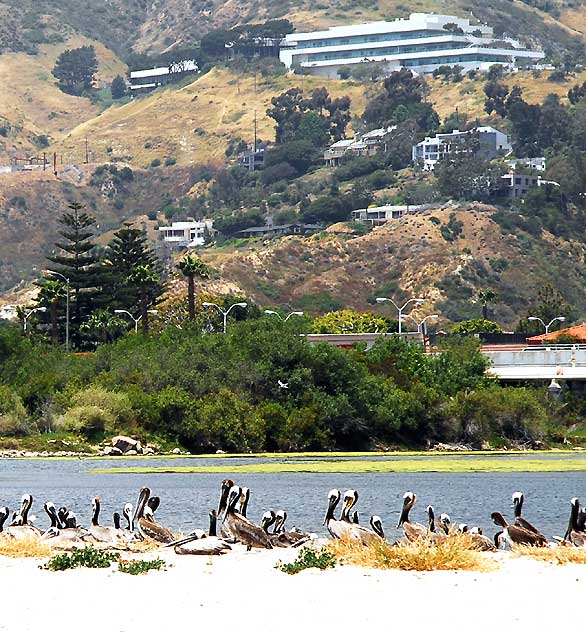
(245, 589)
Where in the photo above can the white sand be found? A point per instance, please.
(245, 588)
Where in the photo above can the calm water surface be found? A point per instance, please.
(187, 498)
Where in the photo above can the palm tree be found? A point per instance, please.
(104, 324)
(145, 278)
(51, 294)
(191, 267)
(485, 297)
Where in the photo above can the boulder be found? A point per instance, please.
(148, 451)
(130, 453)
(111, 451)
(124, 444)
(176, 451)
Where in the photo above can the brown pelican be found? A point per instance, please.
(225, 488)
(242, 528)
(4, 513)
(244, 500)
(268, 520)
(574, 535)
(516, 535)
(109, 535)
(518, 500)
(343, 527)
(59, 534)
(292, 538)
(143, 518)
(413, 530)
(377, 526)
(479, 541)
(20, 527)
(198, 543)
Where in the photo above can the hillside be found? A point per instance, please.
(409, 257)
(32, 106)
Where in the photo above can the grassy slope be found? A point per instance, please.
(196, 122)
(33, 105)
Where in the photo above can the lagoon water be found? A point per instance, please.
(187, 498)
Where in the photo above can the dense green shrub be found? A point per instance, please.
(85, 420)
(116, 405)
(14, 420)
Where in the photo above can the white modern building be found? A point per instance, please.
(491, 143)
(367, 144)
(423, 43)
(187, 234)
(142, 81)
(377, 215)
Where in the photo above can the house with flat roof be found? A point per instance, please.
(423, 42)
(271, 230)
(187, 234)
(367, 144)
(490, 143)
(143, 81)
(377, 215)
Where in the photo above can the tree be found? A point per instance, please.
(127, 251)
(104, 326)
(554, 123)
(191, 267)
(75, 69)
(148, 283)
(348, 321)
(79, 263)
(476, 326)
(51, 295)
(118, 87)
(496, 94)
(485, 297)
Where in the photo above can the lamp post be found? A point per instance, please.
(62, 276)
(273, 313)
(417, 301)
(136, 320)
(421, 325)
(225, 313)
(27, 316)
(551, 322)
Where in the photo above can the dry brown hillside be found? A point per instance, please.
(409, 257)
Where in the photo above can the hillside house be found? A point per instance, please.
(490, 144)
(144, 81)
(423, 42)
(377, 215)
(367, 144)
(187, 234)
(271, 230)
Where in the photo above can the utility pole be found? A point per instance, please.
(255, 130)
(87, 157)
(55, 163)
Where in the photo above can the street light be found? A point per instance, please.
(27, 316)
(58, 274)
(273, 313)
(225, 313)
(136, 320)
(417, 301)
(551, 322)
(421, 328)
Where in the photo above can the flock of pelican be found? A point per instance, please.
(140, 524)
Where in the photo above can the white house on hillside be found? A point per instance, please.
(142, 81)
(187, 234)
(367, 144)
(491, 143)
(423, 42)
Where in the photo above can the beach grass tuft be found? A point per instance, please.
(558, 555)
(140, 567)
(25, 547)
(455, 553)
(88, 557)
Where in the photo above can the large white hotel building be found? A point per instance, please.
(422, 42)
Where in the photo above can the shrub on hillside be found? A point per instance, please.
(14, 420)
(85, 420)
(117, 405)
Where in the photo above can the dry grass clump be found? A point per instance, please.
(26, 547)
(452, 554)
(552, 555)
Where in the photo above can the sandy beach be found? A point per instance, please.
(245, 588)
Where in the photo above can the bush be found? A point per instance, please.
(14, 420)
(476, 326)
(117, 405)
(85, 420)
(155, 162)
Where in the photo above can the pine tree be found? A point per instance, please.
(80, 264)
(118, 87)
(125, 253)
(75, 69)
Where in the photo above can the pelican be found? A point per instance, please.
(514, 534)
(143, 518)
(244, 499)
(198, 543)
(337, 528)
(573, 534)
(4, 513)
(413, 530)
(518, 499)
(377, 526)
(479, 541)
(242, 528)
(292, 538)
(343, 527)
(20, 527)
(225, 488)
(59, 534)
(109, 535)
(268, 520)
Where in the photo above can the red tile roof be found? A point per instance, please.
(578, 332)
